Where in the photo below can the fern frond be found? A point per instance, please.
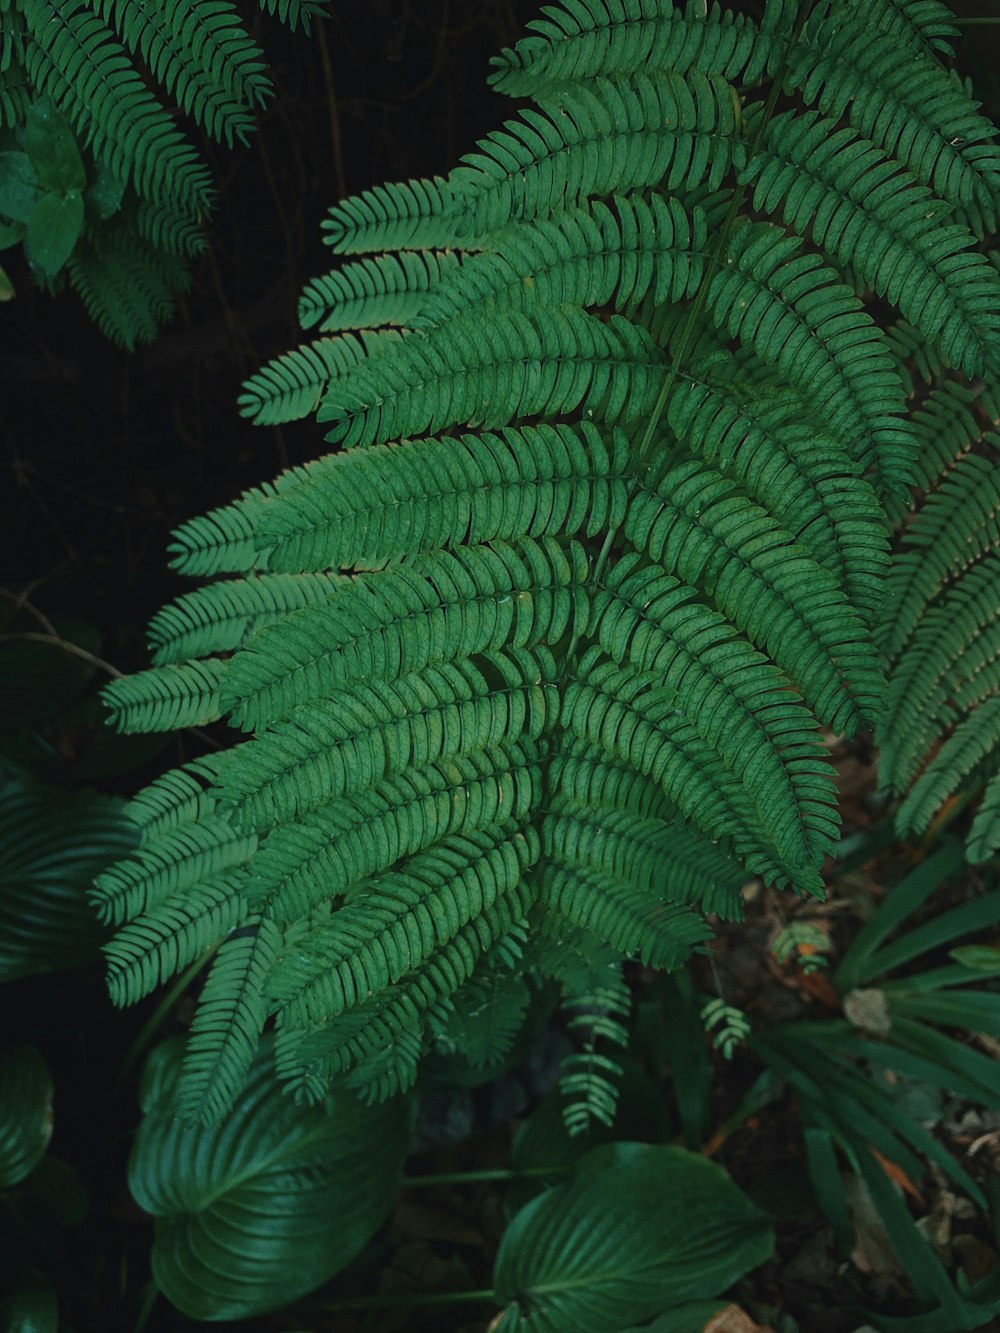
(297, 13)
(959, 637)
(320, 856)
(958, 521)
(187, 694)
(403, 919)
(868, 214)
(984, 836)
(180, 796)
(484, 1018)
(765, 444)
(200, 54)
(911, 108)
(182, 858)
(589, 1079)
(616, 38)
(391, 289)
(127, 286)
(290, 387)
(308, 1060)
(946, 428)
(376, 730)
(407, 215)
(631, 714)
(228, 1023)
(537, 481)
(698, 528)
(622, 915)
(75, 58)
(601, 138)
(590, 256)
(167, 227)
(161, 940)
(220, 542)
(826, 345)
(448, 605)
(975, 738)
(220, 617)
(546, 645)
(538, 364)
(663, 858)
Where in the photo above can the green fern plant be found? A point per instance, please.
(941, 729)
(539, 658)
(95, 176)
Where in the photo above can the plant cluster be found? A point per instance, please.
(96, 177)
(664, 452)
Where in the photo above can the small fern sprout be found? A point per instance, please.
(728, 1025)
(805, 942)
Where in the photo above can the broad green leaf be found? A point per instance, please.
(635, 1230)
(25, 1112)
(53, 230)
(55, 842)
(52, 149)
(6, 286)
(263, 1207)
(19, 188)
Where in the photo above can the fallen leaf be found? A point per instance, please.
(734, 1320)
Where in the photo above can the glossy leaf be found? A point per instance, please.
(55, 843)
(261, 1208)
(636, 1230)
(25, 1112)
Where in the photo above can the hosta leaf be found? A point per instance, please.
(261, 1208)
(25, 1112)
(637, 1229)
(55, 843)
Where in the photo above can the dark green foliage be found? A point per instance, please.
(266, 1206)
(672, 1228)
(133, 210)
(941, 730)
(534, 665)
